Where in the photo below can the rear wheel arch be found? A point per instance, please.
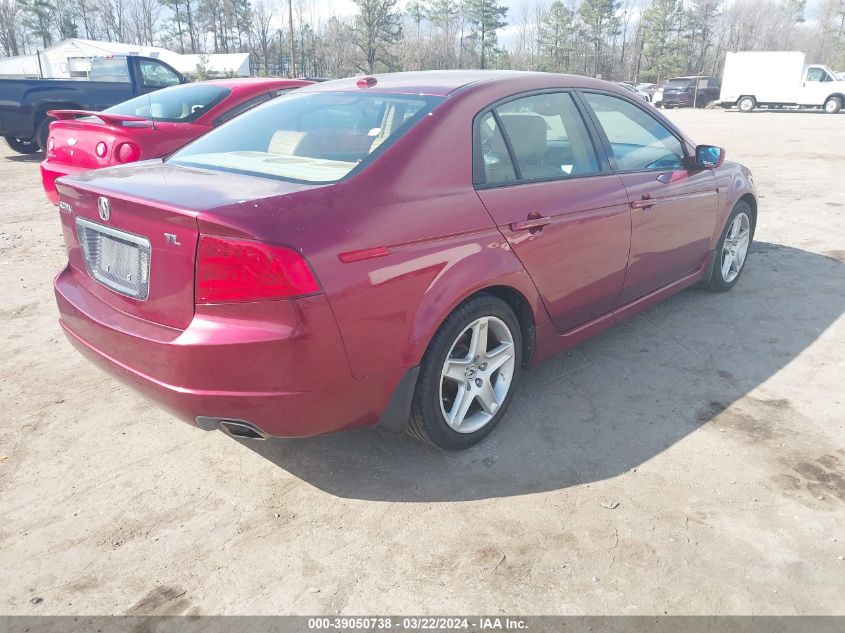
(524, 301)
(522, 308)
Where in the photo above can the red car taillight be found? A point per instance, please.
(127, 153)
(231, 271)
(101, 149)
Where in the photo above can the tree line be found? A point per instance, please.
(636, 40)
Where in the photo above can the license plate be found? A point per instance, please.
(116, 259)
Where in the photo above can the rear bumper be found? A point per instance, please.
(52, 170)
(280, 365)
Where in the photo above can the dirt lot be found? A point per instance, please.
(716, 422)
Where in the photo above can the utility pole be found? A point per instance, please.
(292, 44)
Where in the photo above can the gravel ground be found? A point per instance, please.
(715, 422)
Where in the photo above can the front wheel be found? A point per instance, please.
(732, 250)
(832, 105)
(22, 145)
(468, 375)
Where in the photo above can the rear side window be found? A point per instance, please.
(179, 104)
(548, 137)
(498, 167)
(637, 140)
(249, 104)
(308, 137)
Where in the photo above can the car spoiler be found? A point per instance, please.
(105, 117)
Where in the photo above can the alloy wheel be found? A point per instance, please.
(735, 247)
(477, 374)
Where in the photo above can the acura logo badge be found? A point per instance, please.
(104, 207)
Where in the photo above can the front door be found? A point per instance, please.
(566, 218)
(673, 209)
(816, 86)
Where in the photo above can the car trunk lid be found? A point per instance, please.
(137, 256)
(155, 215)
(74, 141)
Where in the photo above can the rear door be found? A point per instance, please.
(560, 208)
(673, 208)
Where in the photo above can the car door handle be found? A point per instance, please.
(531, 224)
(644, 203)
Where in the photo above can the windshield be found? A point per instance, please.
(678, 83)
(179, 104)
(317, 137)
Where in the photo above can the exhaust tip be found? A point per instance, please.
(235, 428)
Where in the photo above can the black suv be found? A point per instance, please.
(686, 92)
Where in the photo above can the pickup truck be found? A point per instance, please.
(24, 104)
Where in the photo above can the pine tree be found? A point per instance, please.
(557, 34)
(601, 22)
(377, 26)
(485, 17)
(662, 46)
(38, 19)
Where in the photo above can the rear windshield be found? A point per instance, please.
(678, 83)
(179, 104)
(314, 138)
(112, 69)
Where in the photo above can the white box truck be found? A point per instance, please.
(779, 79)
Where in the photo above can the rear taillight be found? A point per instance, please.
(101, 149)
(128, 153)
(51, 144)
(230, 271)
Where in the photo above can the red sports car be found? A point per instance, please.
(392, 249)
(148, 126)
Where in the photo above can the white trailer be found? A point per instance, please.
(779, 79)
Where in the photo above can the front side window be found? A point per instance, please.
(817, 74)
(179, 104)
(307, 137)
(157, 75)
(637, 140)
(548, 137)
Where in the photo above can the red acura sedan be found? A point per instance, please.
(148, 126)
(391, 250)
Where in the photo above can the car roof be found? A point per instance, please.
(255, 81)
(443, 83)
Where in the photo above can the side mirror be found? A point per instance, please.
(709, 156)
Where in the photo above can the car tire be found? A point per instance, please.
(42, 134)
(832, 105)
(460, 381)
(746, 104)
(22, 145)
(732, 249)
